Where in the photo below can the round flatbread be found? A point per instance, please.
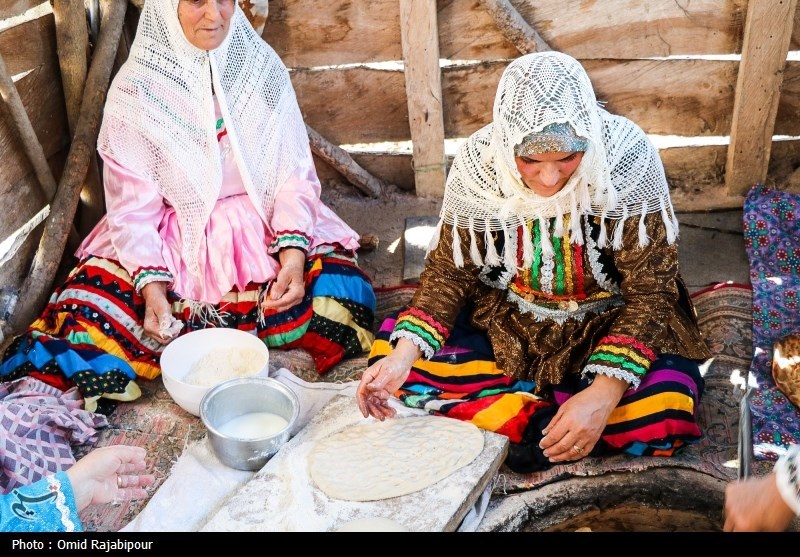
(378, 460)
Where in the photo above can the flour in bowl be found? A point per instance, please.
(221, 364)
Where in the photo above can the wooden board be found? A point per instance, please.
(313, 33)
(15, 8)
(668, 97)
(758, 90)
(42, 97)
(423, 81)
(282, 497)
(787, 121)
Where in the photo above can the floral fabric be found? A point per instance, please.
(772, 241)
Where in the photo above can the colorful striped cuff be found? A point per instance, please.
(290, 239)
(622, 357)
(145, 275)
(420, 328)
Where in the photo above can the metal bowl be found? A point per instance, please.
(238, 397)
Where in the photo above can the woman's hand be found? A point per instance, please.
(575, 429)
(157, 311)
(383, 378)
(107, 474)
(289, 286)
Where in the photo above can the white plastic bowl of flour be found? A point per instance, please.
(195, 362)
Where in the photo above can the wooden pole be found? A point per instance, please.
(37, 287)
(767, 32)
(72, 40)
(27, 134)
(514, 27)
(340, 159)
(420, 37)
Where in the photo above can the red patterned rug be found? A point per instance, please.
(725, 316)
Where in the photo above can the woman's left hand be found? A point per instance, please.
(289, 286)
(575, 429)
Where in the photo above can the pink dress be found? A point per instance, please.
(140, 230)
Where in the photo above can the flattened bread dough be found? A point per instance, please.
(378, 460)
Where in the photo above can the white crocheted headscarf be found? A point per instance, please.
(159, 117)
(620, 175)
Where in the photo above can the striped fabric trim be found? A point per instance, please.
(424, 345)
(557, 276)
(421, 329)
(337, 312)
(290, 239)
(145, 275)
(622, 357)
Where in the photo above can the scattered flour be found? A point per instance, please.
(225, 363)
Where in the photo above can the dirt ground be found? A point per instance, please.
(383, 217)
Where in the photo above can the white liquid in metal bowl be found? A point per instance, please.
(253, 425)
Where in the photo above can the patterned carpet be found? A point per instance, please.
(725, 315)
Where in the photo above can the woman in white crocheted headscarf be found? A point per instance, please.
(213, 215)
(551, 308)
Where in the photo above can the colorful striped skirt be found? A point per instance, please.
(90, 334)
(463, 381)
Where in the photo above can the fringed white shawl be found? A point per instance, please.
(159, 117)
(620, 177)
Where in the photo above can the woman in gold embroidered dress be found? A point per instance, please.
(551, 308)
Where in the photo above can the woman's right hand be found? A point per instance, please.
(383, 378)
(157, 307)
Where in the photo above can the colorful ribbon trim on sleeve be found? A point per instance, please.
(622, 357)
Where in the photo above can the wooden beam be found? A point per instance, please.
(767, 32)
(72, 38)
(341, 160)
(30, 142)
(420, 39)
(514, 27)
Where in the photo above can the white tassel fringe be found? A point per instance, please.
(643, 238)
